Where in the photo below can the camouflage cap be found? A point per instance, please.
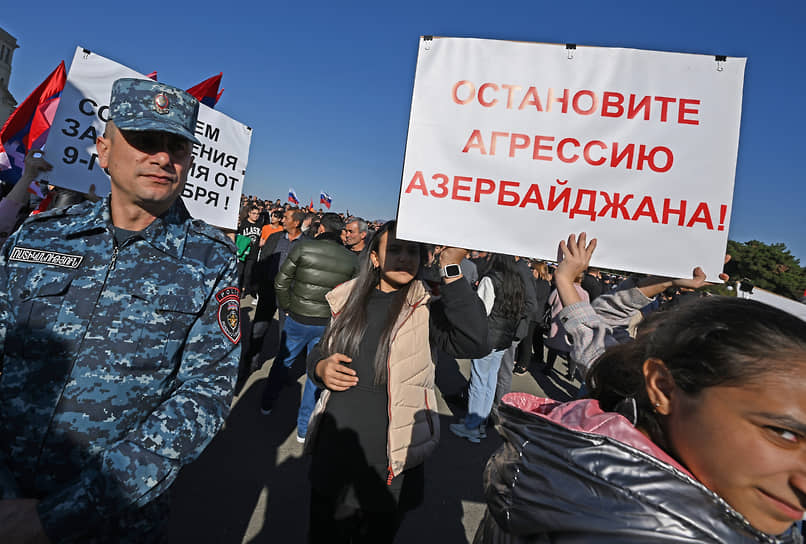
(142, 104)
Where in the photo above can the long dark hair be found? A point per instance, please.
(346, 330)
(704, 343)
(511, 299)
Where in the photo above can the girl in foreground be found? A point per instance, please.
(695, 432)
(376, 421)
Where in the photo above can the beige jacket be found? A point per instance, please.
(413, 420)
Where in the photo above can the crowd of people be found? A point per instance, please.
(534, 312)
(122, 347)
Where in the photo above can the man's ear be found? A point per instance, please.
(660, 385)
(102, 145)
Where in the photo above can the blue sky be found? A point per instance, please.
(326, 86)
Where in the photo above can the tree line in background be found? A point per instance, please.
(767, 266)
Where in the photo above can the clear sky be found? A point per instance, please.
(326, 86)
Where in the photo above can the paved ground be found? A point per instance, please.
(251, 484)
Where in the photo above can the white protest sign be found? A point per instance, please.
(213, 189)
(512, 146)
(214, 185)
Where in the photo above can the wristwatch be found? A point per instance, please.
(450, 271)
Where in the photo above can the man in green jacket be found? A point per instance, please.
(312, 268)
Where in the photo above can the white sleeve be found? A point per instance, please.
(486, 293)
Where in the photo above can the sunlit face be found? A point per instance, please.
(148, 168)
(289, 224)
(398, 260)
(253, 215)
(748, 444)
(353, 235)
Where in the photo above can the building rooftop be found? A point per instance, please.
(6, 37)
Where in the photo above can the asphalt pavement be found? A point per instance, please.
(251, 483)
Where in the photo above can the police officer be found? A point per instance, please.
(119, 336)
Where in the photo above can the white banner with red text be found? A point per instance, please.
(215, 182)
(512, 146)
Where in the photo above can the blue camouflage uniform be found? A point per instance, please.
(118, 364)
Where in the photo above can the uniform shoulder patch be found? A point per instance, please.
(229, 313)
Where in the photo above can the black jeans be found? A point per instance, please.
(523, 356)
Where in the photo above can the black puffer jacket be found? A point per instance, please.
(502, 329)
(313, 268)
(572, 474)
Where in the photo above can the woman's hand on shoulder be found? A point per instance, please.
(335, 373)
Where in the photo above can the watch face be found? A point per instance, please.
(452, 270)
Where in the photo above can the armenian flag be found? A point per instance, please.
(207, 91)
(27, 127)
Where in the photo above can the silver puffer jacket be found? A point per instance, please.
(572, 474)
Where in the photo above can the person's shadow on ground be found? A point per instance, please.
(238, 475)
(250, 481)
(216, 496)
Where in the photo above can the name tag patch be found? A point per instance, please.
(40, 256)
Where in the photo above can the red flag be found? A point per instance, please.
(207, 91)
(27, 127)
(152, 75)
(44, 204)
(311, 206)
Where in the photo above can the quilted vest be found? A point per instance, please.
(413, 431)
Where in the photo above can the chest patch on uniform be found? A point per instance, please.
(229, 313)
(40, 256)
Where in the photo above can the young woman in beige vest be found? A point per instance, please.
(376, 420)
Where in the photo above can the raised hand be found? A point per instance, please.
(35, 164)
(575, 256)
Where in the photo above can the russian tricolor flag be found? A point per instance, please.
(292, 197)
(27, 127)
(325, 199)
